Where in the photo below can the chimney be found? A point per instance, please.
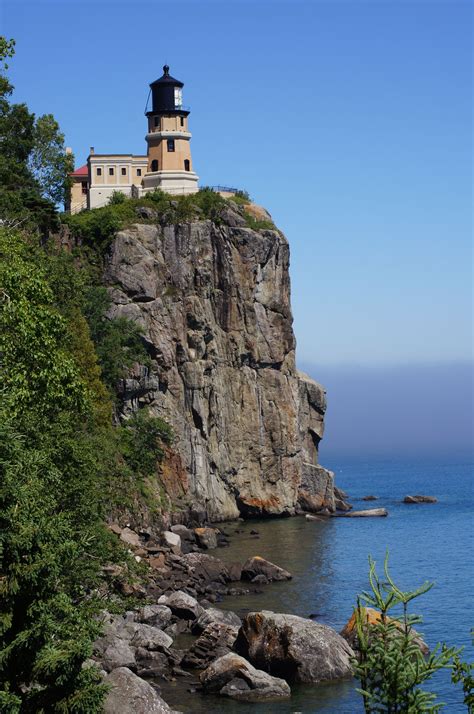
(91, 151)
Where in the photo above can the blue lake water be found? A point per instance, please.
(329, 565)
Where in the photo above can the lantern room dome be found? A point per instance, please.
(167, 95)
(166, 78)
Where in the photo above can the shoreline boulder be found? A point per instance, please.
(294, 648)
(232, 676)
(182, 605)
(206, 537)
(131, 695)
(257, 565)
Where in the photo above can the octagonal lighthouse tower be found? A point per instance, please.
(169, 151)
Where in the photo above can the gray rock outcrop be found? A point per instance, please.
(297, 649)
(213, 299)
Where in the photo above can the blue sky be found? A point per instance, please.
(350, 121)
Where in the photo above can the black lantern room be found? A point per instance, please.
(167, 95)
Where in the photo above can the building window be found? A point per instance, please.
(99, 172)
(181, 119)
(157, 122)
(111, 171)
(186, 164)
(170, 144)
(139, 172)
(154, 165)
(84, 186)
(124, 172)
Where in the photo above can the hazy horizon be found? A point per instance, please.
(406, 410)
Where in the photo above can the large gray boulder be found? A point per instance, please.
(131, 695)
(182, 605)
(213, 615)
(257, 565)
(297, 649)
(206, 537)
(206, 567)
(156, 615)
(117, 653)
(151, 638)
(233, 676)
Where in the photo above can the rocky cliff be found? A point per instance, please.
(213, 298)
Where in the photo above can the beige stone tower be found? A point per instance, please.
(169, 150)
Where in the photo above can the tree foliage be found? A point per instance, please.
(48, 160)
(391, 666)
(51, 533)
(33, 160)
(463, 672)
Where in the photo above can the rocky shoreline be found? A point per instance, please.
(253, 659)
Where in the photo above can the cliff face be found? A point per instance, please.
(214, 303)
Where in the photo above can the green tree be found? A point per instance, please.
(52, 539)
(33, 163)
(48, 161)
(390, 665)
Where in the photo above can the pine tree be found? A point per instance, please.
(390, 664)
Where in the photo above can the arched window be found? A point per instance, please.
(154, 165)
(186, 165)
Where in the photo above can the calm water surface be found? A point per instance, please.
(329, 566)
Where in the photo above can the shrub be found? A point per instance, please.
(259, 225)
(143, 437)
(98, 226)
(117, 197)
(118, 341)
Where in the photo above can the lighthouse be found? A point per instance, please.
(169, 166)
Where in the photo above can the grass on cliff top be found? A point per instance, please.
(97, 227)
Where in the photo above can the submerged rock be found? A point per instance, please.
(234, 677)
(369, 513)
(295, 648)
(131, 695)
(420, 499)
(257, 566)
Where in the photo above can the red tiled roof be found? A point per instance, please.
(82, 171)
